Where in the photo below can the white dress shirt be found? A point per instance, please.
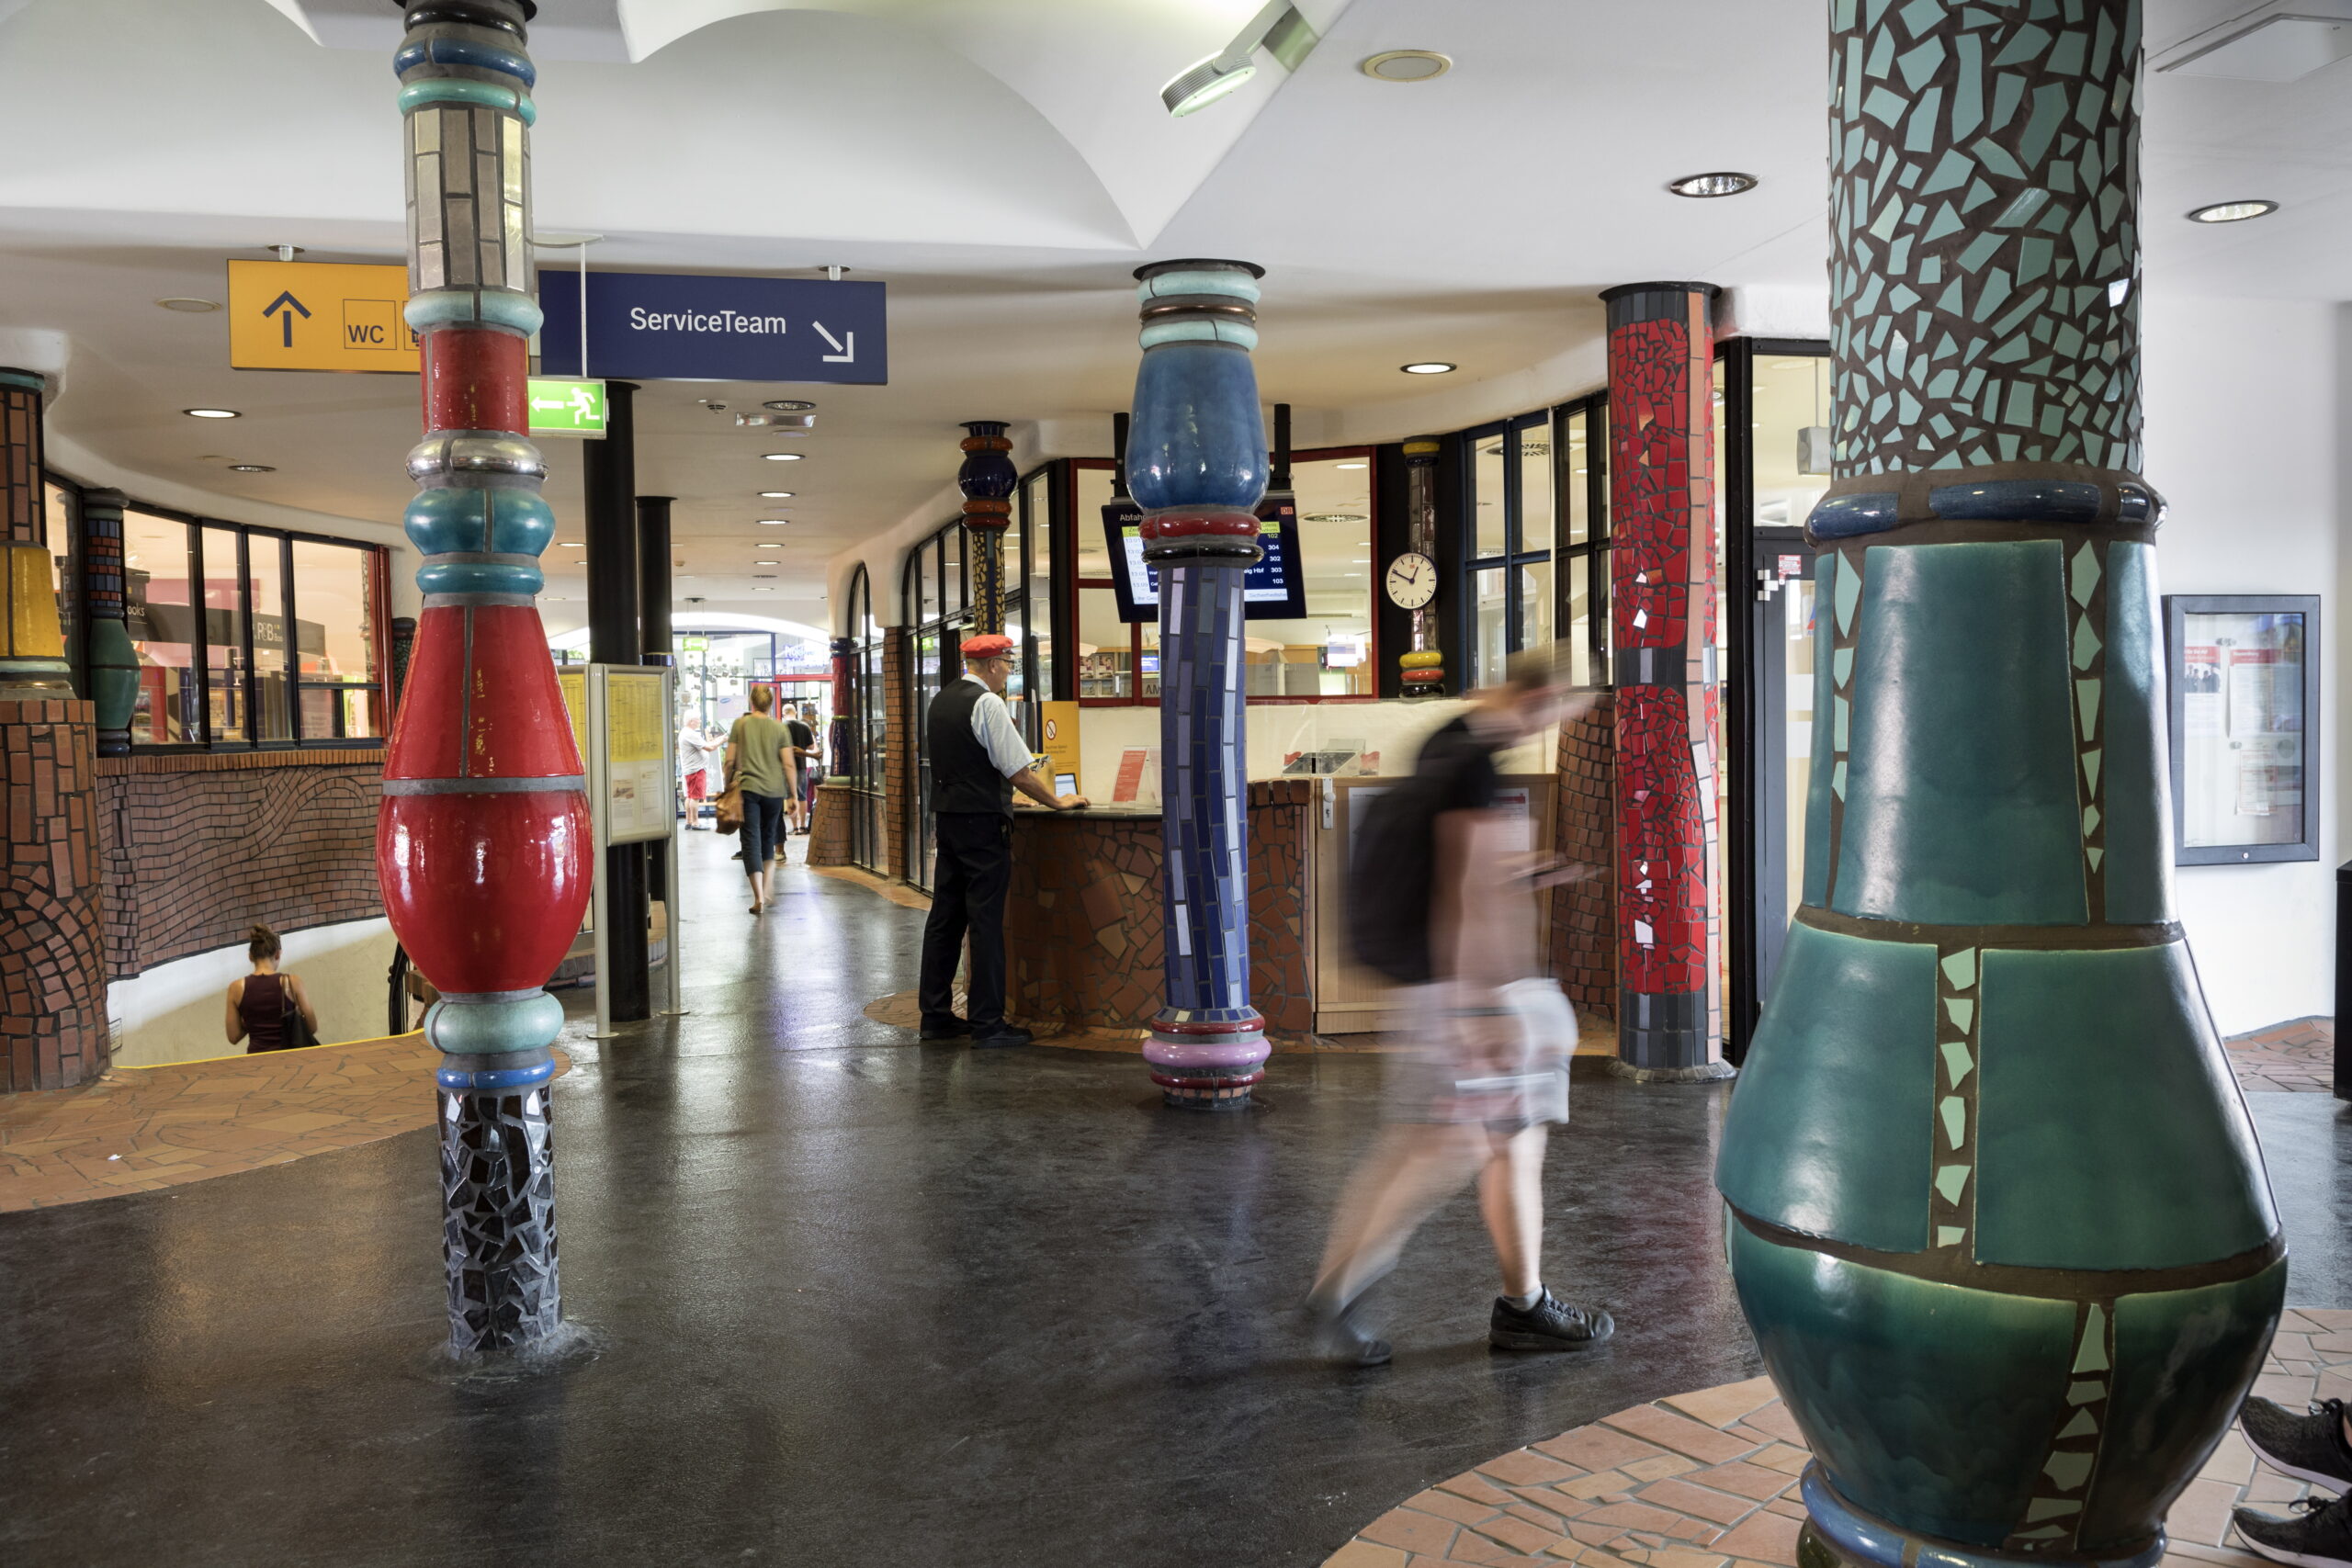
(993, 728)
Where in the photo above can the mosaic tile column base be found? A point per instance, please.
(499, 1242)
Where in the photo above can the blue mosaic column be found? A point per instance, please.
(1196, 465)
(1997, 1214)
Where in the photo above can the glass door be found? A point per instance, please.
(1781, 656)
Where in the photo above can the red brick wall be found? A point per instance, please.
(829, 825)
(198, 846)
(1084, 926)
(1584, 914)
(897, 780)
(52, 982)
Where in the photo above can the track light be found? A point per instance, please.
(1279, 29)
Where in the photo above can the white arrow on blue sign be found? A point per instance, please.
(652, 326)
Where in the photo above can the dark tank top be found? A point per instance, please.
(263, 1010)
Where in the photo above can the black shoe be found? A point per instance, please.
(1003, 1034)
(954, 1029)
(1340, 1335)
(1550, 1324)
(2319, 1536)
(2309, 1447)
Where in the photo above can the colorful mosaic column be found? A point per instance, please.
(987, 480)
(1662, 610)
(1420, 670)
(1196, 464)
(32, 659)
(482, 844)
(114, 663)
(1997, 1215)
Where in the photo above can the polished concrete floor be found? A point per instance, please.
(855, 1301)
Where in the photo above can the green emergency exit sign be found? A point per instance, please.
(566, 408)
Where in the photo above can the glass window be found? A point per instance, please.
(1036, 509)
(1491, 644)
(1577, 474)
(335, 626)
(954, 588)
(1580, 626)
(266, 563)
(1329, 653)
(62, 532)
(926, 565)
(162, 628)
(1581, 506)
(1491, 517)
(1789, 397)
(1535, 493)
(1104, 646)
(225, 634)
(1534, 603)
(2241, 725)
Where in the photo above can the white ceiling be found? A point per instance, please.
(1003, 164)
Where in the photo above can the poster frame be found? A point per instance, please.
(2178, 608)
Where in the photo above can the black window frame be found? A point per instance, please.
(1517, 552)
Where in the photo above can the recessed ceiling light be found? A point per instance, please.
(789, 405)
(1426, 368)
(192, 306)
(784, 456)
(775, 495)
(762, 590)
(251, 469)
(767, 576)
(2233, 211)
(573, 544)
(1332, 517)
(1352, 465)
(1722, 183)
(1406, 65)
(774, 521)
(211, 414)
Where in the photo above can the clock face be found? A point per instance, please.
(1413, 581)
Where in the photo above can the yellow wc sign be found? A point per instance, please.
(318, 316)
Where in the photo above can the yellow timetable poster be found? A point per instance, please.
(634, 731)
(574, 684)
(638, 803)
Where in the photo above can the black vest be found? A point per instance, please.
(962, 777)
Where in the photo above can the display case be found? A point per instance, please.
(2243, 695)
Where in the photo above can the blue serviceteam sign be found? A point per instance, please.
(658, 326)
(1273, 590)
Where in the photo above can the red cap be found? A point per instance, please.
(989, 645)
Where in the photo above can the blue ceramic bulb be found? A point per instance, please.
(1197, 439)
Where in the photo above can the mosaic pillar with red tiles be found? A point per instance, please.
(1663, 609)
(52, 982)
(482, 844)
(1584, 913)
(987, 478)
(898, 732)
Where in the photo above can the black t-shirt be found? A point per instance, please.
(1459, 768)
(802, 736)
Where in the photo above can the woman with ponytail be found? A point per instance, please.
(270, 1008)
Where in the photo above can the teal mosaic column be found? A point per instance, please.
(1996, 1214)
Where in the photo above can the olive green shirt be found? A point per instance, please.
(759, 743)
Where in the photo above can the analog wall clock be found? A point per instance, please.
(1412, 580)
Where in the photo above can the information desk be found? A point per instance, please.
(1084, 923)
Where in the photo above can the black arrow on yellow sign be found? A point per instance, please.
(287, 303)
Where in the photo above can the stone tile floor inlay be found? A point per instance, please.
(2297, 1056)
(1709, 1480)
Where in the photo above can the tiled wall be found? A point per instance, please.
(52, 984)
(829, 825)
(198, 847)
(897, 783)
(1085, 923)
(1584, 914)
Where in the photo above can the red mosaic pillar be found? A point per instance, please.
(1663, 609)
(52, 980)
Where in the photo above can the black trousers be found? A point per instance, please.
(968, 889)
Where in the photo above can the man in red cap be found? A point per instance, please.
(977, 760)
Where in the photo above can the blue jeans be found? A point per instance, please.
(763, 829)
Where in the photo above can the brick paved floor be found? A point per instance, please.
(2298, 1056)
(1709, 1480)
(141, 1128)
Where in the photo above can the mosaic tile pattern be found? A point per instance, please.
(1205, 893)
(22, 501)
(1709, 1480)
(195, 847)
(53, 973)
(2086, 581)
(2296, 1057)
(898, 783)
(1584, 914)
(829, 825)
(1663, 606)
(1984, 214)
(498, 1206)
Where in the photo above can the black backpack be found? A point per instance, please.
(1390, 877)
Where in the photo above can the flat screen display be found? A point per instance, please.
(1273, 590)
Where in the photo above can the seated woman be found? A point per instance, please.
(259, 1004)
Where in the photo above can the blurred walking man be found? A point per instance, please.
(1442, 901)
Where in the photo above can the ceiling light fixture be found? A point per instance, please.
(784, 456)
(774, 521)
(251, 469)
(573, 544)
(1724, 181)
(211, 413)
(184, 302)
(762, 590)
(775, 495)
(788, 405)
(2233, 211)
(1426, 368)
(1406, 65)
(1278, 28)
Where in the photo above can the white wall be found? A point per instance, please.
(174, 1011)
(2246, 400)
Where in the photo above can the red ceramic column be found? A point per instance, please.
(1662, 609)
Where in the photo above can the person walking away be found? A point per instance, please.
(759, 763)
(269, 1009)
(694, 770)
(1443, 902)
(804, 741)
(977, 760)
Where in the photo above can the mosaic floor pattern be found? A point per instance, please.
(2297, 1056)
(1709, 1480)
(136, 1129)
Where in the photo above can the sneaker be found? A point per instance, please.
(1003, 1034)
(1550, 1324)
(1340, 1335)
(2319, 1536)
(2309, 1447)
(954, 1029)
